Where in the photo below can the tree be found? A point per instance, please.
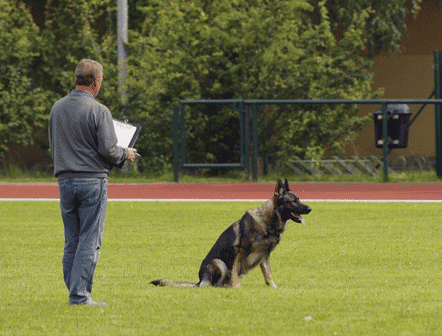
(74, 30)
(232, 49)
(385, 26)
(22, 104)
(198, 49)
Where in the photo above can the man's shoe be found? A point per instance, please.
(90, 302)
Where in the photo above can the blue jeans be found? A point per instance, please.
(83, 203)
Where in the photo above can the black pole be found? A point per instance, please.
(385, 139)
(176, 121)
(438, 110)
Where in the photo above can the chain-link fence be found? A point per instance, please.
(359, 165)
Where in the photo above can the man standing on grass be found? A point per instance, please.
(84, 148)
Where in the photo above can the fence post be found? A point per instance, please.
(175, 141)
(247, 139)
(438, 110)
(385, 139)
(255, 142)
(244, 130)
(266, 159)
(183, 133)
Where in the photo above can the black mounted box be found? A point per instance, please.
(398, 124)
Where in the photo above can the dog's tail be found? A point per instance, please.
(167, 282)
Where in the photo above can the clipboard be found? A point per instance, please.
(127, 133)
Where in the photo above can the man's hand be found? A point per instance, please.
(131, 154)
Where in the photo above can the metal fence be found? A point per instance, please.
(244, 106)
(358, 165)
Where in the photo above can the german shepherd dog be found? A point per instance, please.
(248, 242)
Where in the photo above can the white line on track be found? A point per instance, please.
(224, 200)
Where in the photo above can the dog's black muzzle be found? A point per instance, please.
(295, 215)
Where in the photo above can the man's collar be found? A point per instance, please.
(82, 92)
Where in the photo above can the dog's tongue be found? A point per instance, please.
(302, 220)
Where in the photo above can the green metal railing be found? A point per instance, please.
(180, 123)
(245, 105)
(383, 102)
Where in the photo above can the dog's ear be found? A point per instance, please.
(286, 185)
(279, 190)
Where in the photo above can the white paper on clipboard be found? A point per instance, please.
(125, 133)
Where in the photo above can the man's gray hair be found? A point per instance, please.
(87, 71)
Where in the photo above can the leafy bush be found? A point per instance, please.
(228, 49)
(22, 103)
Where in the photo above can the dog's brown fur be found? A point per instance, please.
(248, 242)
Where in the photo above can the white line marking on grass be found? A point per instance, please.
(224, 200)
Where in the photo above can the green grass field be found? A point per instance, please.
(354, 269)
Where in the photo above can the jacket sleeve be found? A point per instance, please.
(107, 139)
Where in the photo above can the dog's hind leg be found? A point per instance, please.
(216, 274)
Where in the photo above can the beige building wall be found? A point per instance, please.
(408, 76)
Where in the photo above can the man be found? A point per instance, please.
(84, 148)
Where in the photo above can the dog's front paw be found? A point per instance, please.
(271, 284)
(236, 284)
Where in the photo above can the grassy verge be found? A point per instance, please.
(354, 269)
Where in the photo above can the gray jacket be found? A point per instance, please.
(82, 137)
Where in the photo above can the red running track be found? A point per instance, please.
(239, 191)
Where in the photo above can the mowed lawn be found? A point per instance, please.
(353, 269)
